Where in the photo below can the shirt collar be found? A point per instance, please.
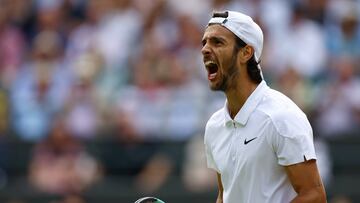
(250, 105)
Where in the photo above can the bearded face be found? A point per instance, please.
(219, 56)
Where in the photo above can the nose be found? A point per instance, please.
(205, 50)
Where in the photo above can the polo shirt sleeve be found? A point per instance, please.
(209, 159)
(293, 140)
(208, 153)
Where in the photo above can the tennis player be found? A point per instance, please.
(260, 143)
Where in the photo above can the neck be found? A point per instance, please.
(237, 97)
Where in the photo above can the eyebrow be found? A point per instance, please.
(221, 39)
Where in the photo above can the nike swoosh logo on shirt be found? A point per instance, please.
(247, 141)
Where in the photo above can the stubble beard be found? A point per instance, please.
(228, 79)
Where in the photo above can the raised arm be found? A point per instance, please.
(306, 181)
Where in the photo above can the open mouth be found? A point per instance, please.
(212, 69)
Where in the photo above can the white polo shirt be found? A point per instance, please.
(249, 152)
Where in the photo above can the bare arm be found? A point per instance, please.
(221, 189)
(306, 181)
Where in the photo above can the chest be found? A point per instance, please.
(242, 150)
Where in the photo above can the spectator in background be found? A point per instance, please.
(146, 97)
(83, 103)
(196, 10)
(21, 13)
(12, 47)
(82, 38)
(159, 92)
(60, 164)
(316, 11)
(111, 40)
(48, 17)
(287, 49)
(43, 83)
(343, 36)
(296, 87)
(103, 32)
(185, 89)
(338, 104)
(190, 92)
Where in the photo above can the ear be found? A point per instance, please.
(246, 53)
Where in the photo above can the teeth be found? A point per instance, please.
(212, 76)
(207, 63)
(210, 64)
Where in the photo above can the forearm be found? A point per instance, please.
(219, 198)
(306, 181)
(221, 189)
(312, 196)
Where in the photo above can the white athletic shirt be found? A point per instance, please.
(249, 152)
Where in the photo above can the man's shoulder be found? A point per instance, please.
(285, 115)
(278, 106)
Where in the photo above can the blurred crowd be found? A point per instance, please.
(78, 70)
